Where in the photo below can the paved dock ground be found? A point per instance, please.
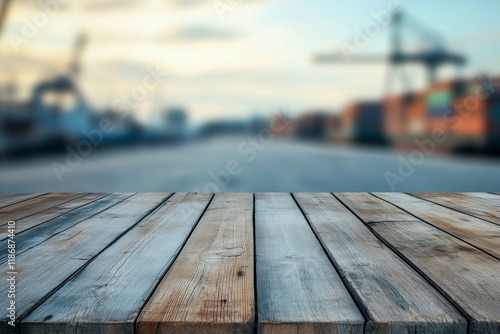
(288, 166)
(250, 263)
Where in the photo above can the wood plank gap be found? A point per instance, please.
(439, 228)
(107, 296)
(357, 299)
(300, 291)
(445, 295)
(460, 310)
(150, 212)
(256, 302)
(28, 309)
(20, 244)
(397, 299)
(22, 199)
(209, 287)
(416, 195)
(37, 219)
(64, 213)
(173, 261)
(6, 214)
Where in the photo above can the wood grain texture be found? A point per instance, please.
(44, 268)
(7, 199)
(96, 263)
(38, 234)
(34, 205)
(469, 277)
(475, 231)
(480, 205)
(394, 297)
(52, 212)
(371, 209)
(210, 287)
(298, 289)
(107, 295)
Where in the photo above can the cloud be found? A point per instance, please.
(188, 3)
(192, 3)
(103, 5)
(199, 33)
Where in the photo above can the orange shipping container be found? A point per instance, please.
(394, 120)
(470, 116)
(416, 115)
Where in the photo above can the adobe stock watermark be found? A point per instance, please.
(248, 150)
(223, 7)
(123, 105)
(11, 273)
(31, 26)
(454, 116)
(372, 29)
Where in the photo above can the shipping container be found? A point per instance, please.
(493, 123)
(366, 122)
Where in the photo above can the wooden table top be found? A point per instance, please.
(250, 263)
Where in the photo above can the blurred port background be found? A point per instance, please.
(249, 95)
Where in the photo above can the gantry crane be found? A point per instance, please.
(67, 82)
(431, 57)
(4, 6)
(80, 44)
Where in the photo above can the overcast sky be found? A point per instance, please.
(256, 58)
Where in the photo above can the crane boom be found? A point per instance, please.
(4, 6)
(80, 44)
(328, 58)
(432, 57)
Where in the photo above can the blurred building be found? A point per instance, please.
(364, 122)
(225, 127)
(466, 113)
(57, 115)
(125, 130)
(54, 115)
(317, 125)
(176, 122)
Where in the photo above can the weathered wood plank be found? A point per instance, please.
(52, 212)
(38, 234)
(475, 231)
(34, 205)
(7, 199)
(210, 287)
(108, 294)
(469, 277)
(480, 205)
(370, 207)
(43, 269)
(395, 298)
(298, 289)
